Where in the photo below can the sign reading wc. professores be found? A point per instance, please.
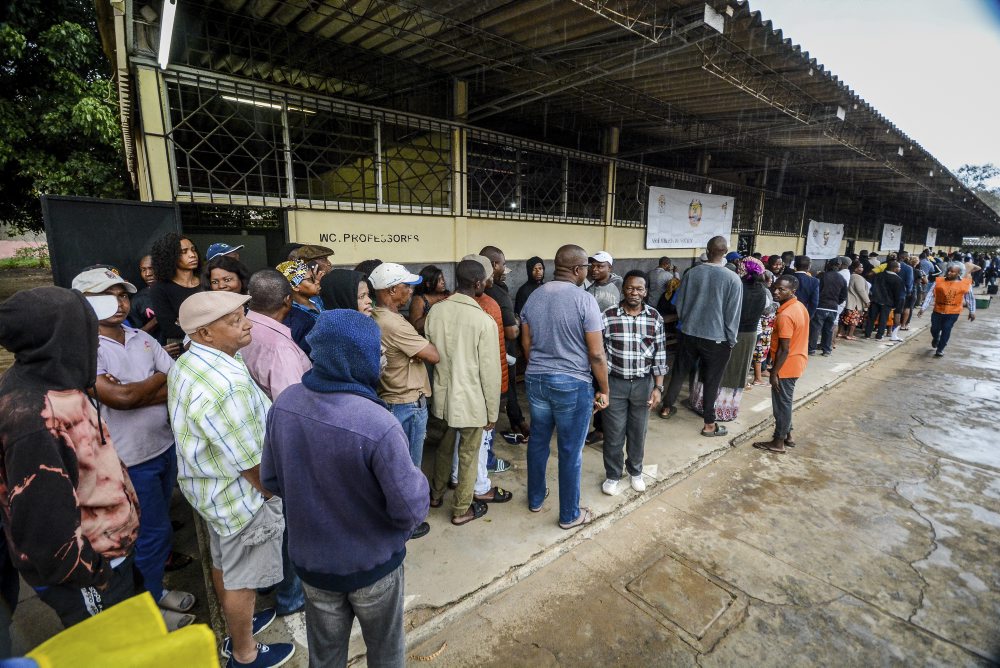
(684, 219)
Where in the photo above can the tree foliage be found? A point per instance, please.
(58, 110)
(984, 180)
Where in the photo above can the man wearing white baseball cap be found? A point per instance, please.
(217, 413)
(404, 385)
(132, 384)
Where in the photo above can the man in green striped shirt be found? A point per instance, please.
(217, 413)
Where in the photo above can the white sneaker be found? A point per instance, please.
(610, 487)
(638, 484)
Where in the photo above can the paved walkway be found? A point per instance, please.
(873, 542)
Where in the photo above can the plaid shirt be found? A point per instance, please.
(217, 413)
(635, 345)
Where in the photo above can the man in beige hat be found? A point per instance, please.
(315, 257)
(217, 413)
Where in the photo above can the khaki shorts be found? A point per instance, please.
(251, 558)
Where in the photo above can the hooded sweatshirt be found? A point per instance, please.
(341, 462)
(529, 286)
(339, 289)
(68, 504)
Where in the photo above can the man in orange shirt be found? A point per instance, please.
(790, 351)
(947, 296)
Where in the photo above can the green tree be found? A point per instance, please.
(984, 180)
(58, 110)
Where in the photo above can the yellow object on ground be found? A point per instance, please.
(131, 634)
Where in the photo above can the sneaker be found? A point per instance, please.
(268, 656)
(500, 466)
(261, 620)
(638, 484)
(894, 338)
(939, 354)
(610, 487)
(826, 354)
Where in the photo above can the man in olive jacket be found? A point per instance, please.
(466, 386)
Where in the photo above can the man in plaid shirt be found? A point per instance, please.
(637, 363)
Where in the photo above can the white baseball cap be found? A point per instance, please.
(601, 256)
(94, 281)
(389, 274)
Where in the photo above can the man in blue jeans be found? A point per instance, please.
(562, 337)
(404, 385)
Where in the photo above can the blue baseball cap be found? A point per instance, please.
(220, 249)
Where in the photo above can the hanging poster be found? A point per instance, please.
(823, 241)
(892, 237)
(931, 237)
(684, 219)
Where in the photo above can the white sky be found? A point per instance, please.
(932, 67)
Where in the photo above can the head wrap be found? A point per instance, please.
(339, 289)
(295, 271)
(749, 269)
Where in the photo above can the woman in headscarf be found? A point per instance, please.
(536, 275)
(343, 288)
(762, 348)
(734, 378)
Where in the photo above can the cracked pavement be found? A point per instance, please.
(874, 542)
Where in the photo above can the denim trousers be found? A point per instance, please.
(413, 418)
(625, 422)
(941, 324)
(781, 404)
(153, 481)
(562, 404)
(379, 610)
(288, 594)
(821, 330)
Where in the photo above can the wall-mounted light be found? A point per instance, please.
(166, 32)
(899, 151)
(841, 113)
(266, 105)
(513, 204)
(708, 188)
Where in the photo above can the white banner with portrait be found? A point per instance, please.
(823, 241)
(892, 237)
(931, 237)
(684, 219)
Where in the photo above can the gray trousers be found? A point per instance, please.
(781, 404)
(379, 609)
(625, 421)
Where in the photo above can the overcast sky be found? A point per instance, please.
(932, 67)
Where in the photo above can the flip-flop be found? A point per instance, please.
(760, 445)
(477, 508)
(177, 600)
(719, 431)
(436, 503)
(539, 508)
(497, 495)
(585, 517)
(671, 411)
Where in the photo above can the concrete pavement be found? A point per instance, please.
(873, 542)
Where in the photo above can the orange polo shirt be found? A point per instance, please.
(792, 322)
(949, 296)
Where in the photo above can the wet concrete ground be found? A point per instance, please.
(874, 542)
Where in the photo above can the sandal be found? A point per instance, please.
(177, 561)
(496, 495)
(177, 600)
(719, 431)
(176, 620)
(766, 445)
(671, 411)
(436, 503)
(539, 508)
(585, 517)
(476, 510)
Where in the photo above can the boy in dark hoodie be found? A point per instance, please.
(70, 513)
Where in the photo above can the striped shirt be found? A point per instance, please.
(635, 345)
(217, 413)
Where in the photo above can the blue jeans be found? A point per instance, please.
(154, 483)
(941, 324)
(413, 418)
(288, 595)
(562, 403)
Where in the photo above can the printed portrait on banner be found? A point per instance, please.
(685, 219)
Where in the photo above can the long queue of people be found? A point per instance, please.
(291, 408)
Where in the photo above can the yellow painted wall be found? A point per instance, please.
(775, 245)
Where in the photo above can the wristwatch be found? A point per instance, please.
(659, 388)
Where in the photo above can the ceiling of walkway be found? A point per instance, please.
(746, 104)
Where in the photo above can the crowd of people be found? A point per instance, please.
(291, 408)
